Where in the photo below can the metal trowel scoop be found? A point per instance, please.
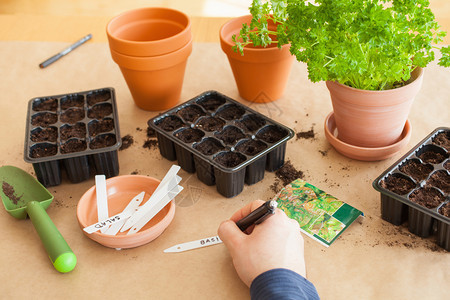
(23, 195)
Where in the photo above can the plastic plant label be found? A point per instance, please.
(320, 215)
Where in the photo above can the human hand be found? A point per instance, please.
(275, 243)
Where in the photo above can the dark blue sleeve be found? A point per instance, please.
(282, 284)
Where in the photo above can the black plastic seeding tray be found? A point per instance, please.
(224, 141)
(424, 172)
(78, 132)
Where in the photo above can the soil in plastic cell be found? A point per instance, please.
(209, 146)
(72, 131)
(251, 123)
(49, 134)
(170, 123)
(230, 135)
(100, 126)
(442, 139)
(441, 180)
(445, 210)
(447, 165)
(73, 145)
(103, 141)
(45, 104)
(231, 112)
(190, 113)
(100, 111)
(271, 134)
(251, 147)
(415, 169)
(44, 119)
(190, 135)
(229, 159)
(398, 184)
(98, 96)
(211, 103)
(43, 150)
(427, 197)
(210, 124)
(72, 115)
(72, 101)
(429, 155)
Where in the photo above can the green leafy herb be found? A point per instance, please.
(366, 44)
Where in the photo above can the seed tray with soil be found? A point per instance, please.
(225, 142)
(416, 188)
(76, 132)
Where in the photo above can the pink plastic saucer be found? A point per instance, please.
(363, 153)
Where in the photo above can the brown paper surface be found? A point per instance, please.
(371, 260)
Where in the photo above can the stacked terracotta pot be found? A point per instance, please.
(151, 46)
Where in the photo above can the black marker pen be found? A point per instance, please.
(258, 215)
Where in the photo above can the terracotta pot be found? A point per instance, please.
(373, 118)
(149, 31)
(261, 74)
(155, 82)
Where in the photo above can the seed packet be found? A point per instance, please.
(320, 215)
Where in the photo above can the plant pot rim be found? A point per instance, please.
(154, 47)
(417, 73)
(234, 26)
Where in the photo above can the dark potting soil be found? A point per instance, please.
(151, 133)
(441, 180)
(229, 159)
(98, 97)
(9, 192)
(427, 197)
(103, 141)
(209, 146)
(416, 170)
(230, 135)
(447, 165)
(72, 115)
(44, 119)
(211, 103)
(190, 113)
(70, 131)
(210, 124)
(190, 135)
(43, 151)
(432, 157)
(445, 210)
(45, 134)
(72, 146)
(100, 111)
(231, 112)
(306, 134)
(397, 184)
(46, 105)
(271, 134)
(288, 173)
(127, 141)
(97, 127)
(251, 147)
(170, 123)
(251, 123)
(443, 140)
(72, 101)
(150, 144)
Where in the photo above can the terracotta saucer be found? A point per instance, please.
(363, 153)
(120, 190)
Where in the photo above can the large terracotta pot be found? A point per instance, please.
(372, 118)
(149, 31)
(261, 74)
(155, 82)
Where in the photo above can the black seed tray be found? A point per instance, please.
(78, 132)
(417, 173)
(225, 142)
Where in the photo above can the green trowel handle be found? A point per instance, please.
(56, 246)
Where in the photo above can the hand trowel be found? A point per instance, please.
(23, 195)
